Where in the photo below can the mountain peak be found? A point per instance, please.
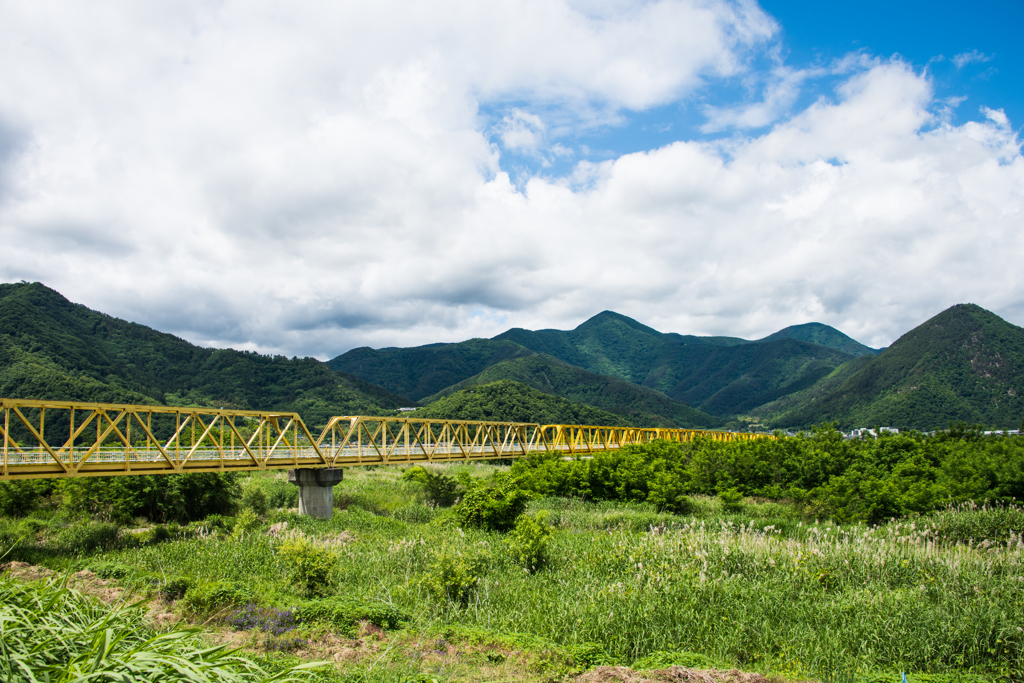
(824, 335)
(605, 318)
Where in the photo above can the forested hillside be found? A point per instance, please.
(508, 401)
(816, 333)
(721, 376)
(51, 348)
(641, 405)
(965, 364)
(422, 371)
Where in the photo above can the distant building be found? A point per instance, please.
(406, 410)
(857, 433)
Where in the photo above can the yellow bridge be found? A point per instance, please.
(73, 439)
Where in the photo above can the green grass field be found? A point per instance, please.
(408, 595)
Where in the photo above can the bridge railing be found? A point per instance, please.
(75, 439)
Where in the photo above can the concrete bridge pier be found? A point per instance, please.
(316, 490)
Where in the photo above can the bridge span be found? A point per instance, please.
(60, 439)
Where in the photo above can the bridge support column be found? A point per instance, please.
(316, 490)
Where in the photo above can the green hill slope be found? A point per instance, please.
(508, 401)
(964, 364)
(422, 371)
(718, 375)
(824, 335)
(642, 406)
(51, 348)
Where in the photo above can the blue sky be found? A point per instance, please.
(972, 53)
(305, 177)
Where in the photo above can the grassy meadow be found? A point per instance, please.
(395, 588)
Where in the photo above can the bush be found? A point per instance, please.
(494, 507)
(181, 498)
(176, 588)
(206, 599)
(442, 490)
(309, 566)
(529, 540)
(18, 498)
(345, 613)
(85, 537)
(732, 501)
(246, 521)
(254, 498)
(453, 576)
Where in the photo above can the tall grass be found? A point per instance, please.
(49, 632)
(760, 589)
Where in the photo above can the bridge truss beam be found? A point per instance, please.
(59, 439)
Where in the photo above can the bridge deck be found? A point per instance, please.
(73, 439)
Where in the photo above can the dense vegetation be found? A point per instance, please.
(425, 370)
(829, 477)
(53, 349)
(816, 333)
(964, 364)
(640, 405)
(723, 376)
(508, 401)
(53, 633)
(398, 588)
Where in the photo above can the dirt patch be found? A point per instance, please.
(674, 674)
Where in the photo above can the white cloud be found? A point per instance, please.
(973, 57)
(306, 177)
(521, 131)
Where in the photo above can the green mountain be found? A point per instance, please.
(422, 371)
(717, 375)
(51, 348)
(508, 401)
(965, 364)
(817, 333)
(641, 405)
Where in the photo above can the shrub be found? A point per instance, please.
(453, 576)
(85, 537)
(442, 490)
(161, 498)
(246, 521)
(529, 540)
(254, 498)
(494, 507)
(309, 566)
(732, 501)
(176, 588)
(208, 599)
(18, 498)
(346, 612)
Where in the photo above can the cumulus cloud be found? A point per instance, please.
(305, 178)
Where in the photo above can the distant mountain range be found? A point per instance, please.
(965, 364)
(617, 364)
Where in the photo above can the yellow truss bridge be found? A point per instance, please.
(58, 439)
